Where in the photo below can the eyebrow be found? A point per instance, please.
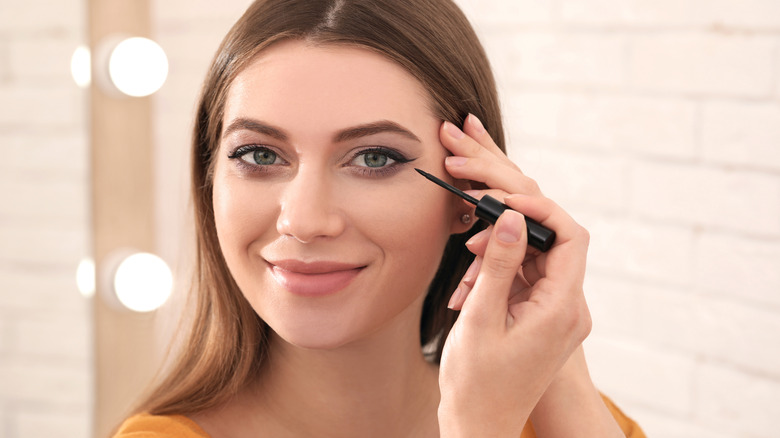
(374, 128)
(256, 126)
(352, 133)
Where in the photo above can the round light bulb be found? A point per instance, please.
(81, 66)
(138, 66)
(85, 277)
(143, 282)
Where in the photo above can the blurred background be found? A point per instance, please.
(656, 123)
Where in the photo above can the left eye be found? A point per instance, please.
(374, 159)
(260, 156)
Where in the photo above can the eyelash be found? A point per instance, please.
(397, 158)
(240, 151)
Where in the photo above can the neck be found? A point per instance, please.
(379, 386)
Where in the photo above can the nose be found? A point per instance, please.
(308, 209)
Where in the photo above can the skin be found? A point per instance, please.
(356, 345)
(348, 363)
(523, 314)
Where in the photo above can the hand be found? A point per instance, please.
(523, 312)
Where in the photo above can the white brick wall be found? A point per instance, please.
(710, 196)
(45, 329)
(566, 59)
(744, 269)
(657, 124)
(743, 133)
(703, 63)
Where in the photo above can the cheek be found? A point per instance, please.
(238, 216)
(408, 225)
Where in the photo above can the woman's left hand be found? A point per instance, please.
(523, 312)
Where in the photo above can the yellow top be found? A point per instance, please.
(158, 426)
(179, 426)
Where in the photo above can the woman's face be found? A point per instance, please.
(325, 226)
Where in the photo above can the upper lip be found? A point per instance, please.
(313, 267)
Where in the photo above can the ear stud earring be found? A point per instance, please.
(466, 219)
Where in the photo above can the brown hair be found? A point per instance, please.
(433, 41)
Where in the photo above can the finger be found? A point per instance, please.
(479, 159)
(519, 292)
(528, 273)
(478, 242)
(492, 173)
(465, 285)
(460, 144)
(487, 300)
(569, 252)
(473, 128)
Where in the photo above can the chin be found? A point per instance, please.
(311, 335)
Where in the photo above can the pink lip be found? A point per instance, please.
(313, 279)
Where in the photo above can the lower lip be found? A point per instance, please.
(314, 284)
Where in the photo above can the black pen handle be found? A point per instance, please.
(539, 236)
(490, 208)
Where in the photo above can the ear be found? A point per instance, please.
(461, 210)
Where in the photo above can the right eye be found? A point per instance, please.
(257, 155)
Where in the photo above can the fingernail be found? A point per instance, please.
(453, 130)
(455, 298)
(509, 227)
(471, 272)
(476, 237)
(474, 193)
(476, 124)
(459, 296)
(455, 161)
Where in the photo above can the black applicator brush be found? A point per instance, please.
(490, 208)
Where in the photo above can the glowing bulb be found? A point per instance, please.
(81, 66)
(138, 66)
(142, 282)
(85, 277)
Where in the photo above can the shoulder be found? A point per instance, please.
(160, 426)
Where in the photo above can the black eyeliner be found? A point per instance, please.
(391, 153)
(490, 208)
(241, 150)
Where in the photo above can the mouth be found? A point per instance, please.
(313, 278)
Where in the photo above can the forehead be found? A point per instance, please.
(298, 81)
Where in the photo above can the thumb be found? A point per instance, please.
(488, 300)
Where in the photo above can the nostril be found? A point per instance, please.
(306, 222)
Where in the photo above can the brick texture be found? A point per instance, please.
(742, 133)
(654, 122)
(45, 330)
(698, 63)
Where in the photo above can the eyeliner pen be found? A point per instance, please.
(490, 208)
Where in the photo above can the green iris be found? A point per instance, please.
(264, 156)
(374, 159)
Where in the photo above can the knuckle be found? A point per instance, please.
(576, 322)
(531, 186)
(583, 234)
(587, 326)
(473, 148)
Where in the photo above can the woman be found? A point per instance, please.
(326, 264)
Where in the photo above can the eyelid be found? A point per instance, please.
(239, 151)
(391, 153)
(398, 159)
